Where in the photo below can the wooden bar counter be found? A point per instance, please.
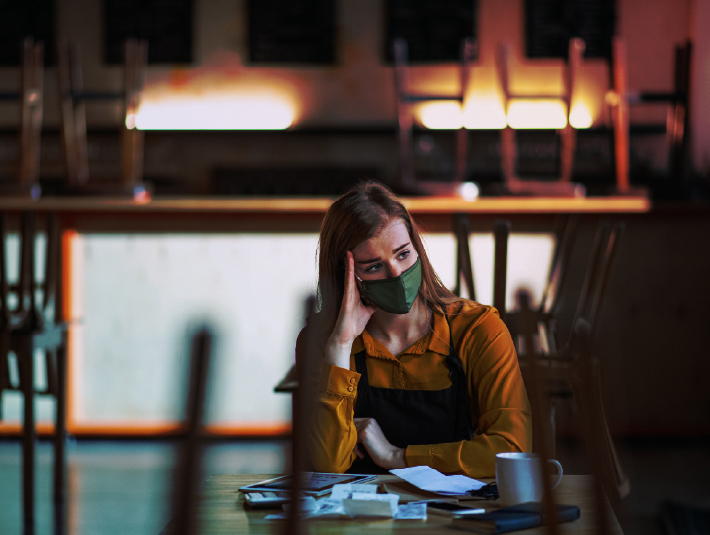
(296, 214)
(236, 205)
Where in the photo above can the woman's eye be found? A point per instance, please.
(373, 268)
(404, 254)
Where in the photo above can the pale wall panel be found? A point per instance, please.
(135, 298)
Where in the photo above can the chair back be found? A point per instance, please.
(31, 104)
(73, 99)
(37, 301)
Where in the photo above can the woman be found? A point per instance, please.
(409, 373)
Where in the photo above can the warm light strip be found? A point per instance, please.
(536, 114)
(580, 117)
(489, 114)
(484, 114)
(441, 115)
(215, 113)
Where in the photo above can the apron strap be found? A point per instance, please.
(364, 384)
(464, 427)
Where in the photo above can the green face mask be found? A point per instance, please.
(395, 295)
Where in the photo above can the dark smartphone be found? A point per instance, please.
(452, 509)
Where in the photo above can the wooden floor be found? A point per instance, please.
(123, 487)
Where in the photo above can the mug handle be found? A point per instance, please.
(559, 472)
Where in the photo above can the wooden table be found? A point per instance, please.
(222, 511)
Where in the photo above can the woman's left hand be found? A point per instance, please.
(374, 441)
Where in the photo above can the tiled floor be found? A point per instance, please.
(119, 488)
(123, 487)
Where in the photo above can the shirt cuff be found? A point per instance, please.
(339, 381)
(419, 455)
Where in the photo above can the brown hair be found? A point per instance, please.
(355, 217)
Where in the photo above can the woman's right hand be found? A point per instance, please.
(352, 319)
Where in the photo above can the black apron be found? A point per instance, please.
(410, 417)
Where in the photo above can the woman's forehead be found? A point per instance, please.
(392, 235)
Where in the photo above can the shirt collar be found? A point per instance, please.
(440, 335)
(436, 340)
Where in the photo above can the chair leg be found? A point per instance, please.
(25, 359)
(60, 439)
(501, 233)
(404, 116)
(463, 256)
(187, 476)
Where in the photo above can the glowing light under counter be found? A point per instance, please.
(215, 113)
(489, 114)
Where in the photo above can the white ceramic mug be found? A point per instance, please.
(519, 477)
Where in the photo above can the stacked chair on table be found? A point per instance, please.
(73, 99)
(31, 99)
(405, 120)
(562, 185)
(620, 99)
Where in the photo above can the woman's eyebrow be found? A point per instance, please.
(377, 259)
(368, 261)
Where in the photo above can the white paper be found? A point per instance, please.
(348, 490)
(384, 505)
(411, 511)
(431, 480)
(349, 501)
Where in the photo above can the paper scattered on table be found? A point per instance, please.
(431, 480)
(411, 511)
(351, 500)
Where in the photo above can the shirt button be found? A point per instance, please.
(350, 389)
(352, 380)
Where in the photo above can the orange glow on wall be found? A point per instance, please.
(216, 112)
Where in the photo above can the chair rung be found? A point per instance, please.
(535, 97)
(424, 98)
(635, 98)
(38, 392)
(97, 95)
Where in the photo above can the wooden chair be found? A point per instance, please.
(31, 98)
(30, 327)
(575, 366)
(537, 382)
(405, 100)
(563, 186)
(549, 311)
(186, 482)
(73, 99)
(620, 99)
(301, 400)
(464, 263)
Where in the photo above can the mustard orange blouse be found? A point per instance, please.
(499, 407)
